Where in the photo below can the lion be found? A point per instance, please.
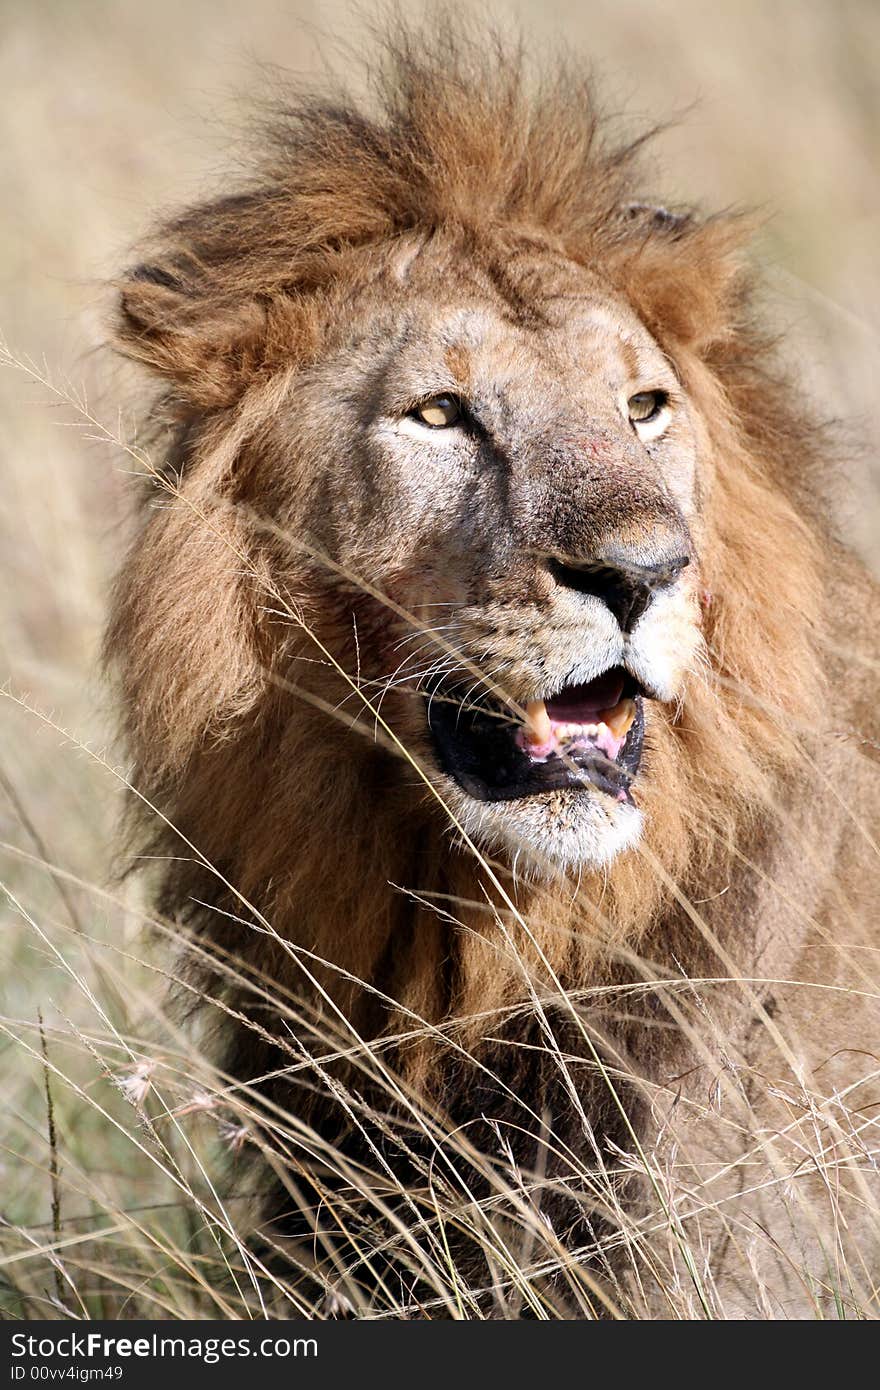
(506, 705)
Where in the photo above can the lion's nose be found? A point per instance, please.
(626, 587)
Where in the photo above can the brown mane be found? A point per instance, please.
(237, 296)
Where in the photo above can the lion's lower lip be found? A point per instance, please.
(482, 747)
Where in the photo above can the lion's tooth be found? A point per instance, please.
(619, 720)
(538, 729)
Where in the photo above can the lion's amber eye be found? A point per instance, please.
(646, 406)
(440, 412)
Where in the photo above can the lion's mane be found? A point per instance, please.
(235, 297)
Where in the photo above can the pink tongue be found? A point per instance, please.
(580, 704)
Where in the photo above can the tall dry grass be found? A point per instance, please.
(125, 1186)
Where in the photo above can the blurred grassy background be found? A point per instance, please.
(113, 110)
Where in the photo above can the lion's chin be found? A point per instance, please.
(542, 836)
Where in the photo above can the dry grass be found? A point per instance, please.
(123, 1173)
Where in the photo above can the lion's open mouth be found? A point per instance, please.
(589, 734)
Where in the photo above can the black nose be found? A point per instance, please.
(627, 588)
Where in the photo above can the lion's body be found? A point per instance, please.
(258, 616)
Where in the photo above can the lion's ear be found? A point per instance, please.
(205, 346)
(683, 276)
(654, 217)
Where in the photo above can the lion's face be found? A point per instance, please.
(512, 460)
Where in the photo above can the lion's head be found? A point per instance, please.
(527, 490)
(512, 461)
(477, 454)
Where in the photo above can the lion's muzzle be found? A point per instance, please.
(625, 586)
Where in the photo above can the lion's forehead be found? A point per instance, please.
(580, 338)
(582, 343)
(514, 313)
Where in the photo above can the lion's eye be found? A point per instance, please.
(645, 406)
(440, 412)
(649, 414)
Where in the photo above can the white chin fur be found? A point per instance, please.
(543, 835)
